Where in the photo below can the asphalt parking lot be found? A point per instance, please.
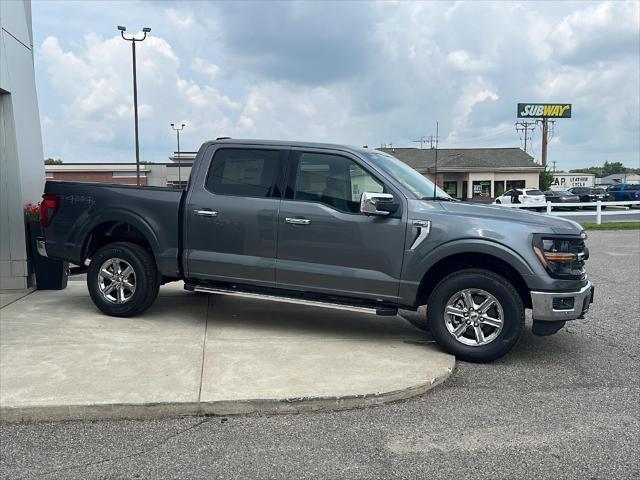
(564, 406)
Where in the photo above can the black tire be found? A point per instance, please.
(502, 291)
(147, 280)
(498, 202)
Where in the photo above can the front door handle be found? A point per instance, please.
(205, 213)
(297, 221)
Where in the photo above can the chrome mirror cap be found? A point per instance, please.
(370, 202)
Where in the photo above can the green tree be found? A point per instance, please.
(545, 180)
(53, 161)
(609, 168)
(597, 171)
(613, 167)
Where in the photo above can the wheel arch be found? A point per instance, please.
(473, 259)
(110, 231)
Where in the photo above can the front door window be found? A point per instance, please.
(333, 180)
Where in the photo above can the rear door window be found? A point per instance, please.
(245, 172)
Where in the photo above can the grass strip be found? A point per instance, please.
(612, 226)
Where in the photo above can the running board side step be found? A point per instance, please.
(382, 310)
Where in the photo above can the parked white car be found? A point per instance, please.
(521, 195)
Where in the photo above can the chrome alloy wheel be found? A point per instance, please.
(117, 281)
(474, 317)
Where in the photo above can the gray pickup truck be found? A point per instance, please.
(324, 225)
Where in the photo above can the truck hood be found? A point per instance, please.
(539, 221)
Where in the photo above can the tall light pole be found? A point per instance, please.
(435, 187)
(133, 41)
(178, 130)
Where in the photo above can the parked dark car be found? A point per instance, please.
(561, 196)
(330, 226)
(590, 194)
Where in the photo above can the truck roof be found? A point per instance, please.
(289, 143)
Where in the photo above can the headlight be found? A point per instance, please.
(563, 256)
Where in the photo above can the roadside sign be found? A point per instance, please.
(564, 181)
(544, 110)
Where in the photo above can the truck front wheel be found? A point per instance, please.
(122, 279)
(476, 315)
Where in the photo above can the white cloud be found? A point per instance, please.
(94, 84)
(302, 71)
(179, 19)
(461, 60)
(200, 65)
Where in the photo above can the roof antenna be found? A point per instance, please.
(435, 186)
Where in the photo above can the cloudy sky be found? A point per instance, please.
(357, 73)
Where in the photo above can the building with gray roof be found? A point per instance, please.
(479, 173)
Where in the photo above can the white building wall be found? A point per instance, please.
(21, 157)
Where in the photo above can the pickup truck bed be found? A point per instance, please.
(119, 212)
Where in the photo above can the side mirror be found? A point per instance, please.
(378, 203)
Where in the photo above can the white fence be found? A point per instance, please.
(601, 208)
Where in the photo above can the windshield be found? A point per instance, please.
(417, 184)
(532, 192)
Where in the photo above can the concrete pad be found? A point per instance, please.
(264, 350)
(61, 358)
(58, 349)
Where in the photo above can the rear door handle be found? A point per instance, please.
(205, 212)
(297, 221)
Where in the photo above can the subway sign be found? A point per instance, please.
(544, 110)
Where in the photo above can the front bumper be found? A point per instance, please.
(543, 304)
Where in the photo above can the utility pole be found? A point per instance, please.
(133, 41)
(545, 138)
(178, 130)
(545, 132)
(525, 127)
(554, 166)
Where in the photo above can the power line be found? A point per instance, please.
(422, 141)
(525, 127)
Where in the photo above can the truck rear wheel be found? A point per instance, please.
(476, 315)
(122, 279)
